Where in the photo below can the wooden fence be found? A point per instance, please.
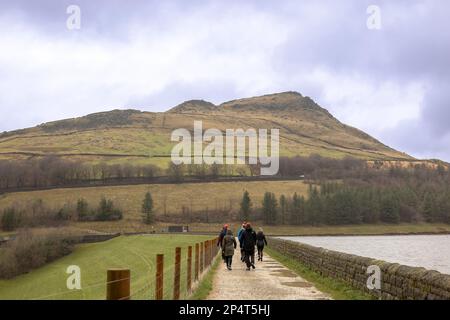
(183, 275)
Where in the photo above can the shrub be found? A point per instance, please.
(82, 209)
(147, 208)
(106, 211)
(10, 219)
(28, 251)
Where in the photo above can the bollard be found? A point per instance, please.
(196, 263)
(118, 284)
(189, 269)
(176, 276)
(159, 290)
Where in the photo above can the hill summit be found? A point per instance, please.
(284, 101)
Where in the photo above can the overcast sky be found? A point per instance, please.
(393, 82)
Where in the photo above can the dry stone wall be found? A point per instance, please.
(397, 281)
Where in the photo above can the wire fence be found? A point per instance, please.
(179, 273)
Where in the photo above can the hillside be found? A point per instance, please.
(144, 137)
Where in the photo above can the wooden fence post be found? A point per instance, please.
(201, 257)
(189, 269)
(118, 284)
(210, 251)
(176, 276)
(196, 262)
(207, 245)
(159, 290)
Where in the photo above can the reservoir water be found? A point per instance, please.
(428, 251)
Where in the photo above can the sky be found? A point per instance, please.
(391, 81)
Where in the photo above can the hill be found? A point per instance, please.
(144, 137)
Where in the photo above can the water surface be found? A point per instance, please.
(428, 251)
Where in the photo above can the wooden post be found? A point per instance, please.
(196, 262)
(118, 284)
(201, 257)
(210, 251)
(189, 269)
(176, 276)
(207, 253)
(213, 246)
(159, 291)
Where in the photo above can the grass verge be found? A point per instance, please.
(337, 289)
(206, 284)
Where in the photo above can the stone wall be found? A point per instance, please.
(397, 281)
(89, 238)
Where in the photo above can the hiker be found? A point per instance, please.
(260, 242)
(222, 235)
(228, 246)
(249, 242)
(239, 235)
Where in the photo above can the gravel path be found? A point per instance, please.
(269, 281)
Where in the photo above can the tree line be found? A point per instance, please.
(37, 213)
(53, 171)
(346, 203)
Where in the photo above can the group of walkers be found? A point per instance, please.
(248, 239)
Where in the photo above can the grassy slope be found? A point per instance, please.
(305, 128)
(201, 196)
(363, 229)
(192, 195)
(337, 289)
(134, 252)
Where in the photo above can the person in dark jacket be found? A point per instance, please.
(222, 235)
(249, 242)
(239, 235)
(260, 242)
(228, 246)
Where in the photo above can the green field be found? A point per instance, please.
(138, 253)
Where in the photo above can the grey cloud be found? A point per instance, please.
(413, 46)
(179, 92)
